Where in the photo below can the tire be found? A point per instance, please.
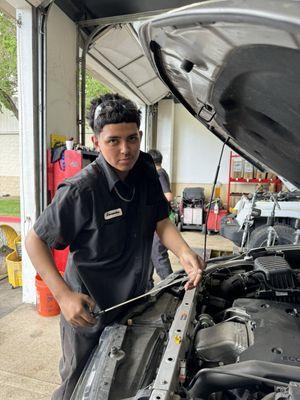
(259, 237)
(179, 226)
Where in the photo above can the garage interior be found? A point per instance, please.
(29, 343)
(185, 145)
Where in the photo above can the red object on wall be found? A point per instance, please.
(70, 163)
(67, 166)
(214, 220)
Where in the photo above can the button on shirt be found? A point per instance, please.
(109, 226)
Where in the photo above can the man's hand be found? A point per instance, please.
(77, 309)
(193, 265)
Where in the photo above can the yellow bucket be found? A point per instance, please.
(7, 238)
(14, 269)
(18, 245)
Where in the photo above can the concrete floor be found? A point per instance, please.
(30, 344)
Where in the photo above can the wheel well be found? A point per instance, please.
(281, 220)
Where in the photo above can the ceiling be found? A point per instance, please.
(80, 11)
(118, 52)
(116, 56)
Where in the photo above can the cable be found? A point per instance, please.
(211, 197)
(254, 377)
(225, 258)
(248, 376)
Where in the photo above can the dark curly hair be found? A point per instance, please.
(111, 108)
(156, 155)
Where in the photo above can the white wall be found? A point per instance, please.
(165, 134)
(61, 109)
(196, 151)
(143, 127)
(8, 122)
(61, 62)
(9, 144)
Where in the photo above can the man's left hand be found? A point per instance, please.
(193, 265)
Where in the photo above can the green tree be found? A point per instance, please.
(8, 64)
(93, 89)
(8, 69)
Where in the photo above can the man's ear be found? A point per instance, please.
(95, 140)
(141, 134)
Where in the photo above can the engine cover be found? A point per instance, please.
(270, 332)
(277, 271)
(276, 330)
(222, 342)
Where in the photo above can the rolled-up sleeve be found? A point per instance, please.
(161, 201)
(64, 218)
(163, 210)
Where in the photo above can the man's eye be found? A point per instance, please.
(133, 139)
(113, 141)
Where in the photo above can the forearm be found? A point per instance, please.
(42, 260)
(191, 262)
(170, 237)
(169, 196)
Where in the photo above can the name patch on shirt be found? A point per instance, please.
(113, 213)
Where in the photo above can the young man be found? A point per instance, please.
(159, 255)
(107, 214)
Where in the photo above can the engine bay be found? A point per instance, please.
(236, 336)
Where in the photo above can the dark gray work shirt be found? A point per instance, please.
(110, 239)
(164, 180)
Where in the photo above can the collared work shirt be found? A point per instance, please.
(110, 238)
(164, 180)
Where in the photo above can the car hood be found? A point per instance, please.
(235, 65)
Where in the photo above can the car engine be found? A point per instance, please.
(237, 336)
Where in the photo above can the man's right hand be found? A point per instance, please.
(77, 309)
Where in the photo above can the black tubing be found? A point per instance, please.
(209, 380)
(225, 258)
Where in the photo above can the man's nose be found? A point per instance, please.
(124, 147)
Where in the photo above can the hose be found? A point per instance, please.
(242, 375)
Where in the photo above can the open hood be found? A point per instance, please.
(235, 65)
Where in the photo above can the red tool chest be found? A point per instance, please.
(71, 162)
(214, 220)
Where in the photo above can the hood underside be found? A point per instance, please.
(235, 66)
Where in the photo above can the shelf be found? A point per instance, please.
(254, 180)
(232, 182)
(238, 194)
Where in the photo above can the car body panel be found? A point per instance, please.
(288, 209)
(235, 66)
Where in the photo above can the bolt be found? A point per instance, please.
(19, 21)
(114, 350)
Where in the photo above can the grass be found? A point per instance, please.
(10, 206)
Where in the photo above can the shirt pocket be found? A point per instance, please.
(113, 236)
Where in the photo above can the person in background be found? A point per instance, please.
(107, 214)
(159, 254)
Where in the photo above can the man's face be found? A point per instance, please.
(119, 145)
